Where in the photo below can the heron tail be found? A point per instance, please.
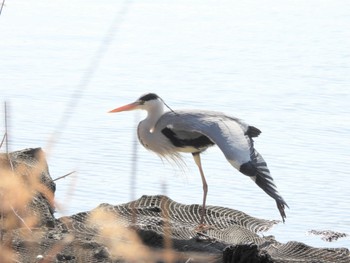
(258, 171)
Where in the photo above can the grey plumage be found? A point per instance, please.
(193, 131)
(233, 137)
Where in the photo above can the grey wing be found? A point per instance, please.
(231, 135)
(258, 171)
(234, 138)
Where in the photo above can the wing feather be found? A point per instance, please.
(233, 137)
(227, 132)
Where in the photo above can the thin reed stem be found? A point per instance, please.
(63, 176)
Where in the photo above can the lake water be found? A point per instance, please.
(282, 66)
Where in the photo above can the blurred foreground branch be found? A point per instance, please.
(2, 5)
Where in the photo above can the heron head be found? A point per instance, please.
(147, 102)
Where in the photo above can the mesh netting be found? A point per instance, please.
(150, 229)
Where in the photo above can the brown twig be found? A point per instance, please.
(3, 139)
(20, 218)
(63, 176)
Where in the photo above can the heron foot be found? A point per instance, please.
(202, 236)
(202, 228)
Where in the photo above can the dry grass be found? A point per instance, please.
(121, 242)
(20, 184)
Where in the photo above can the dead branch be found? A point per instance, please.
(63, 176)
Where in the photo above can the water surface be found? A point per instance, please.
(283, 67)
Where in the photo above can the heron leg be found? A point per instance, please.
(197, 159)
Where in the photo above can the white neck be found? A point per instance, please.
(147, 134)
(155, 110)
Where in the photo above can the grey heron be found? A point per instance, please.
(192, 131)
